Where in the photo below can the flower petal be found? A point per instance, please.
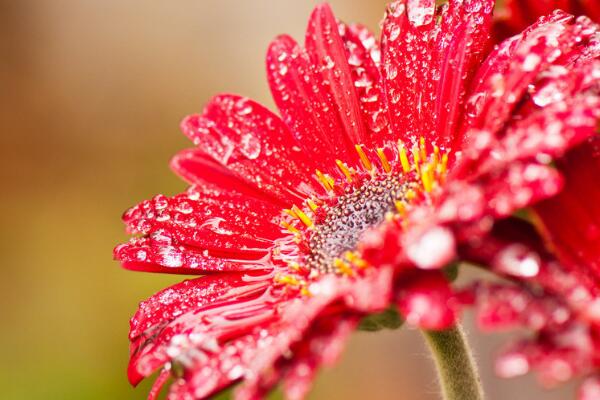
(246, 332)
(165, 306)
(571, 220)
(323, 349)
(254, 143)
(427, 66)
(198, 168)
(326, 50)
(225, 224)
(158, 384)
(502, 306)
(514, 249)
(306, 107)
(499, 193)
(158, 253)
(556, 356)
(459, 50)
(427, 301)
(406, 61)
(363, 54)
(536, 60)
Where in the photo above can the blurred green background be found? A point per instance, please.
(91, 94)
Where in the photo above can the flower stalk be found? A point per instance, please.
(457, 371)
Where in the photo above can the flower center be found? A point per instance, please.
(354, 213)
(327, 230)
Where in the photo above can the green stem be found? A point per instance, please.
(456, 367)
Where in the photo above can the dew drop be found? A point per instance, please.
(171, 257)
(531, 61)
(420, 12)
(249, 146)
(394, 31)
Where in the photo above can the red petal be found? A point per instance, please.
(160, 381)
(572, 219)
(159, 254)
(533, 51)
(516, 15)
(428, 67)
(427, 301)
(514, 249)
(229, 223)
(322, 349)
(556, 356)
(252, 335)
(521, 185)
(406, 63)
(163, 307)
(251, 355)
(591, 9)
(198, 168)
(185, 334)
(527, 61)
(307, 109)
(459, 50)
(500, 192)
(501, 306)
(552, 130)
(363, 54)
(254, 143)
(326, 51)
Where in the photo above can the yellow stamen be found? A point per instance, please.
(330, 180)
(444, 162)
(324, 181)
(302, 217)
(289, 227)
(416, 159)
(403, 157)
(422, 148)
(363, 158)
(288, 280)
(342, 266)
(384, 161)
(410, 194)
(426, 178)
(313, 206)
(355, 259)
(294, 266)
(345, 170)
(305, 291)
(436, 157)
(400, 207)
(290, 213)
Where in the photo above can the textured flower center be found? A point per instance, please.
(353, 214)
(384, 184)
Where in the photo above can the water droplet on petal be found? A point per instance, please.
(433, 249)
(518, 260)
(250, 146)
(420, 12)
(394, 31)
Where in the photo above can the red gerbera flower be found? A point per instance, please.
(390, 160)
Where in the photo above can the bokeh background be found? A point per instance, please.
(91, 94)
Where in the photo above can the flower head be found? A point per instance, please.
(391, 160)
